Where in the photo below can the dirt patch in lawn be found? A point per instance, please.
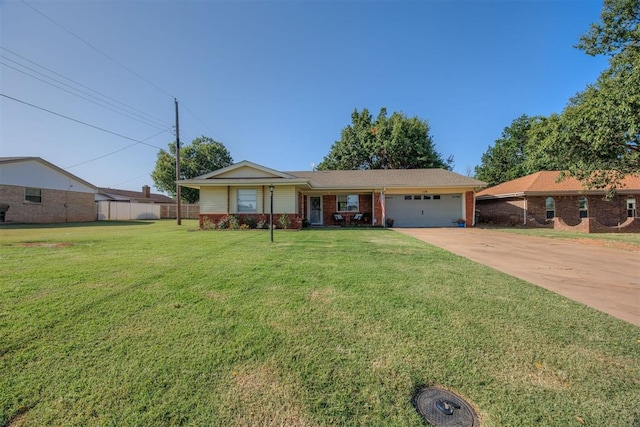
(55, 245)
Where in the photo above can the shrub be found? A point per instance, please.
(223, 223)
(207, 224)
(284, 221)
(234, 223)
(250, 222)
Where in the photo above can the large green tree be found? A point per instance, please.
(598, 133)
(512, 156)
(394, 142)
(202, 156)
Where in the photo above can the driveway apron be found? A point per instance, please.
(605, 278)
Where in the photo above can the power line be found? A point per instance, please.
(79, 121)
(114, 152)
(80, 84)
(98, 50)
(127, 114)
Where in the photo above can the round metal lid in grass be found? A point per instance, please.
(441, 408)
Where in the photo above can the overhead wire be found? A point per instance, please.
(119, 64)
(116, 151)
(148, 123)
(78, 121)
(96, 49)
(82, 85)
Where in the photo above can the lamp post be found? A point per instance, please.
(271, 213)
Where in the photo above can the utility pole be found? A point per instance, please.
(178, 206)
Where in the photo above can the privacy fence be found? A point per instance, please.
(125, 211)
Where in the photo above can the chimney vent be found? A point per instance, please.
(146, 191)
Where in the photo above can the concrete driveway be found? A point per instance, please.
(605, 278)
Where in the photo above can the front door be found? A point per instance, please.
(315, 210)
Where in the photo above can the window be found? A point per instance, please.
(247, 201)
(348, 203)
(417, 197)
(407, 197)
(33, 195)
(550, 206)
(436, 197)
(583, 207)
(427, 197)
(631, 207)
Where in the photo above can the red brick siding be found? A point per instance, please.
(605, 213)
(57, 206)
(330, 206)
(468, 207)
(294, 220)
(502, 211)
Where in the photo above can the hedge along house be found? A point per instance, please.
(411, 197)
(541, 199)
(33, 190)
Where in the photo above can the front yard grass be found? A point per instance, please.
(155, 324)
(631, 240)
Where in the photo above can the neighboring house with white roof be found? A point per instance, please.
(411, 197)
(33, 190)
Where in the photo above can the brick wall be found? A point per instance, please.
(56, 206)
(295, 221)
(604, 213)
(329, 207)
(501, 211)
(468, 207)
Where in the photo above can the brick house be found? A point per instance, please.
(33, 190)
(540, 199)
(411, 197)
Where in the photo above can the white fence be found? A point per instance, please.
(122, 211)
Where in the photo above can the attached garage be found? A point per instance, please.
(425, 210)
(411, 197)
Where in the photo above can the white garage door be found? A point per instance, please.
(422, 210)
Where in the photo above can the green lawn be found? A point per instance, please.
(607, 239)
(155, 324)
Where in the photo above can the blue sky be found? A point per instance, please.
(277, 81)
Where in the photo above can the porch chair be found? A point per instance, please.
(339, 218)
(358, 218)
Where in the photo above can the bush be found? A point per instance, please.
(249, 222)
(284, 221)
(223, 223)
(234, 223)
(207, 224)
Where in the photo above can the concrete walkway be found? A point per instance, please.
(605, 278)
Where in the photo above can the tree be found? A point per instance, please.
(508, 158)
(395, 142)
(202, 156)
(599, 130)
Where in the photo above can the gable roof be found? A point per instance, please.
(248, 173)
(117, 194)
(40, 160)
(387, 178)
(546, 183)
(228, 172)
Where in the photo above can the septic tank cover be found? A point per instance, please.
(441, 408)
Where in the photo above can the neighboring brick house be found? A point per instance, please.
(411, 197)
(33, 190)
(541, 199)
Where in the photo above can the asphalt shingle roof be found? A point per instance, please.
(387, 178)
(546, 182)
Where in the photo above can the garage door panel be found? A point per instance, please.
(424, 210)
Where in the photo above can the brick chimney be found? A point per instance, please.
(146, 191)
